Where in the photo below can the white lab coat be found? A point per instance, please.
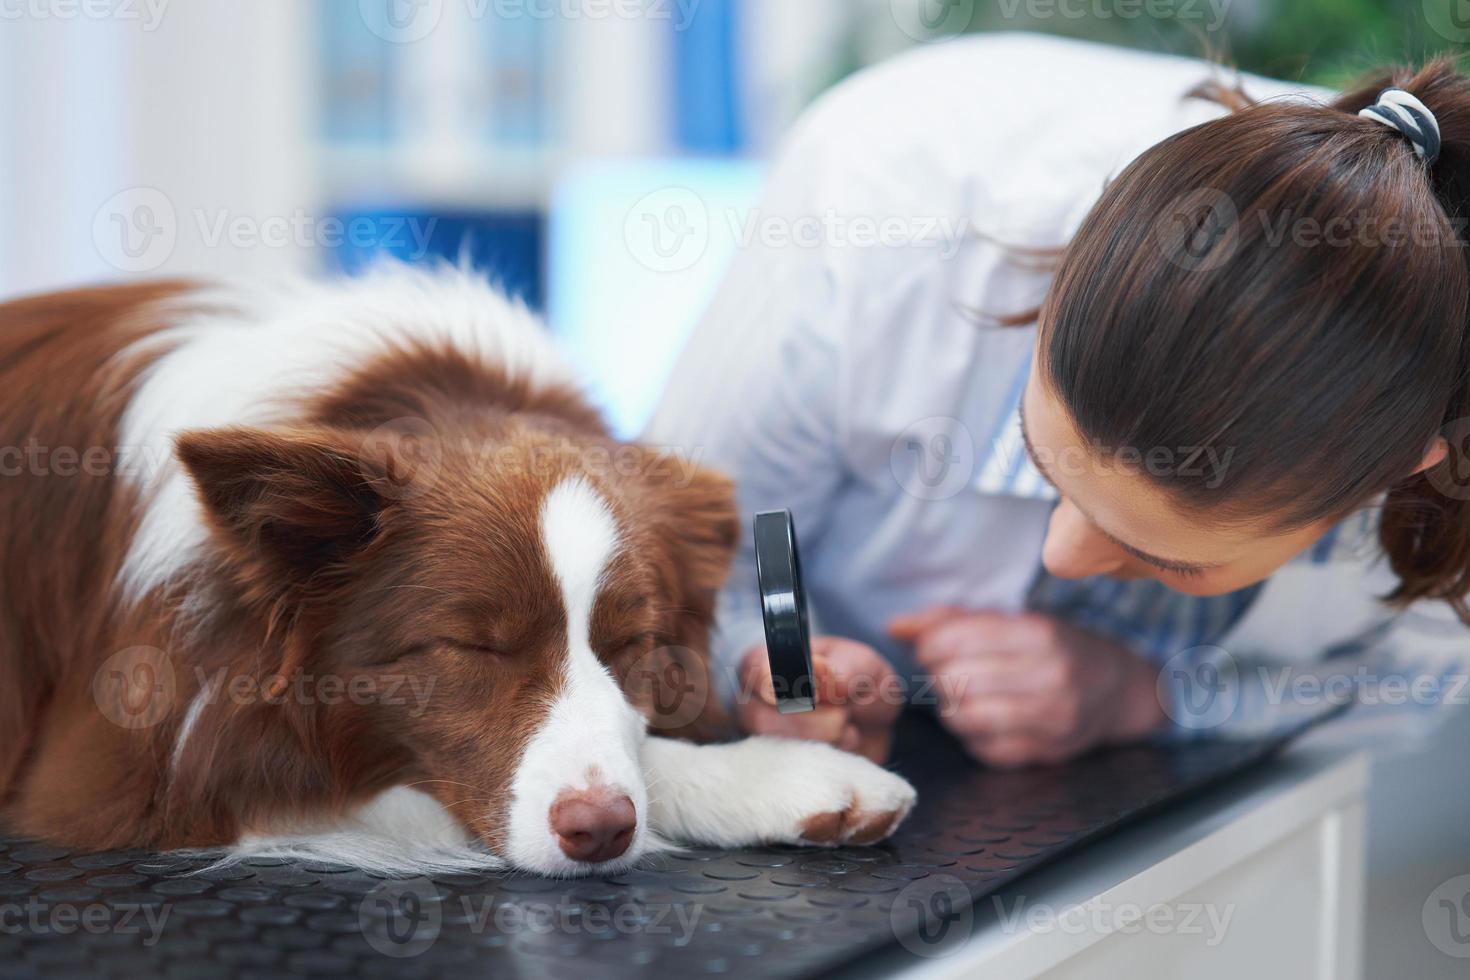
(846, 371)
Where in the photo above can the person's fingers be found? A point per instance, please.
(978, 676)
(989, 716)
(755, 676)
(824, 724)
(1008, 752)
(910, 626)
(857, 676)
(988, 635)
(850, 740)
(875, 743)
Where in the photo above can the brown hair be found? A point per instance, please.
(1288, 282)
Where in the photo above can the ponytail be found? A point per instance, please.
(1426, 518)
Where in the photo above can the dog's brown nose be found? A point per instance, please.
(593, 825)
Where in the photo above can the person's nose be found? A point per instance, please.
(1076, 549)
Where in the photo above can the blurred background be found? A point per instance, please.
(585, 153)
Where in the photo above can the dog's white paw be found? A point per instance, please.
(820, 795)
(766, 790)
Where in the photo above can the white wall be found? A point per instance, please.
(159, 120)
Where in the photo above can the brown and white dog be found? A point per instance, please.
(352, 571)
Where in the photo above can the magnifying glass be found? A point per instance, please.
(783, 608)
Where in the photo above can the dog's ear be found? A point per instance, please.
(292, 505)
(697, 522)
(693, 520)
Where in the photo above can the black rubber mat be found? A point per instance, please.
(768, 912)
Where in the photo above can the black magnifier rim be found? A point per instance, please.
(783, 609)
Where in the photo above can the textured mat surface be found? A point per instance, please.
(769, 912)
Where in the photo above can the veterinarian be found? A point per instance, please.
(1107, 403)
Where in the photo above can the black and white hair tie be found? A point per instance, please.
(1408, 115)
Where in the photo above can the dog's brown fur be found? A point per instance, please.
(331, 556)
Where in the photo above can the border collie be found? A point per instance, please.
(352, 570)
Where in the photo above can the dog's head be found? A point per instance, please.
(494, 604)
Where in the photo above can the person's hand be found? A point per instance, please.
(858, 698)
(1024, 689)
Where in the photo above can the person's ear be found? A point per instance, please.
(1437, 452)
(289, 506)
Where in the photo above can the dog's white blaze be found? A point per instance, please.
(248, 356)
(590, 731)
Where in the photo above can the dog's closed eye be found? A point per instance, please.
(475, 646)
